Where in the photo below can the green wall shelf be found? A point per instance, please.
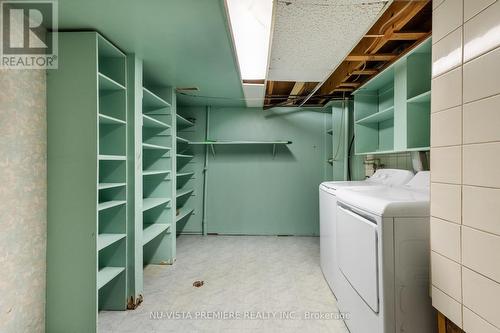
(149, 121)
(105, 240)
(392, 110)
(87, 227)
(183, 122)
(152, 231)
(184, 214)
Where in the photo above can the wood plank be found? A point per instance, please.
(408, 35)
(441, 320)
(350, 84)
(370, 57)
(364, 72)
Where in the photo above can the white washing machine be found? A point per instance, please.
(328, 214)
(383, 258)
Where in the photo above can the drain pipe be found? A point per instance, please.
(205, 173)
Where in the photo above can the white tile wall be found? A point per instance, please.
(445, 238)
(465, 141)
(482, 33)
(447, 90)
(482, 120)
(446, 202)
(481, 77)
(446, 18)
(481, 208)
(478, 247)
(446, 127)
(447, 276)
(447, 53)
(481, 295)
(475, 324)
(446, 165)
(447, 306)
(473, 7)
(481, 164)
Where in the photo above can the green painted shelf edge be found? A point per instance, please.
(105, 240)
(107, 120)
(152, 231)
(182, 140)
(241, 142)
(108, 84)
(184, 215)
(183, 121)
(104, 186)
(422, 98)
(155, 172)
(106, 274)
(184, 156)
(151, 122)
(112, 158)
(153, 101)
(377, 117)
(151, 146)
(184, 174)
(110, 204)
(184, 193)
(150, 203)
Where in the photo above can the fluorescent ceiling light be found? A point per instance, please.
(251, 27)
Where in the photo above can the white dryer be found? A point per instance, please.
(383, 257)
(328, 214)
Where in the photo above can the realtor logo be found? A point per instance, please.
(28, 34)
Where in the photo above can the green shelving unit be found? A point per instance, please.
(185, 173)
(87, 183)
(157, 143)
(392, 110)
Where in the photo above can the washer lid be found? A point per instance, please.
(412, 199)
(389, 177)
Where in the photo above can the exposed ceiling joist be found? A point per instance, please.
(403, 26)
(370, 57)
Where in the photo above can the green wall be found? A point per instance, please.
(249, 191)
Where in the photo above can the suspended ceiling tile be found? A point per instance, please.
(254, 94)
(312, 37)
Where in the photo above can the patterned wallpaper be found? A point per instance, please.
(23, 201)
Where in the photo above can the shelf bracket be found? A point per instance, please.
(274, 151)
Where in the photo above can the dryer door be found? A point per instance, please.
(358, 254)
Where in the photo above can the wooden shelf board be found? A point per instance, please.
(108, 84)
(106, 274)
(422, 98)
(150, 203)
(104, 186)
(377, 117)
(184, 215)
(151, 146)
(108, 120)
(152, 231)
(151, 122)
(105, 240)
(110, 204)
